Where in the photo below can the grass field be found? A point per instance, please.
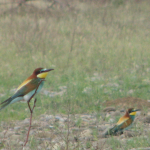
(109, 55)
(99, 52)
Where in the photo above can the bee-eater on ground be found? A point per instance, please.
(124, 122)
(32, 85)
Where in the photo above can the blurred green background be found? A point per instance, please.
(99, 50)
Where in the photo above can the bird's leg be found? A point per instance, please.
(31, 111)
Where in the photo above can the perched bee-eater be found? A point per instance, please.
(124, 122)
(28, 88)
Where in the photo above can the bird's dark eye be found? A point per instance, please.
(39, 71)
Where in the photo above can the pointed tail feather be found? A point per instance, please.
(114, 131)
(110, 132)
(5, 103)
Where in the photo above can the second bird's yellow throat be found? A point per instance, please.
(133, 113)
(42, 75)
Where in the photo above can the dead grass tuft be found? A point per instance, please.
(128, 102)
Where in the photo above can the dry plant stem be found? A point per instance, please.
(30, 122)
(31, 111)
(73, 37)
(68, 128)
(68, 132)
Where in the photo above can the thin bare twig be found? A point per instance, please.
(68, 127)
(30, 122)
(72, 40)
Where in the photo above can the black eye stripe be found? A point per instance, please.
(39, 71)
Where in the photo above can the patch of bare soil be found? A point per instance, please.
(77, 131)
(128, 102)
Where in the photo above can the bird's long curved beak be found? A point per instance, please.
(47, 70)
(137, 110)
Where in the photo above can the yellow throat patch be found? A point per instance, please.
(133, 113)
(42, 75)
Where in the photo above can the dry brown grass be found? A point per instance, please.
(128, 102)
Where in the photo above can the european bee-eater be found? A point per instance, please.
(124, 122)
(28, 88)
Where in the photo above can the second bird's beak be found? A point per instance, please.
(137, 110)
